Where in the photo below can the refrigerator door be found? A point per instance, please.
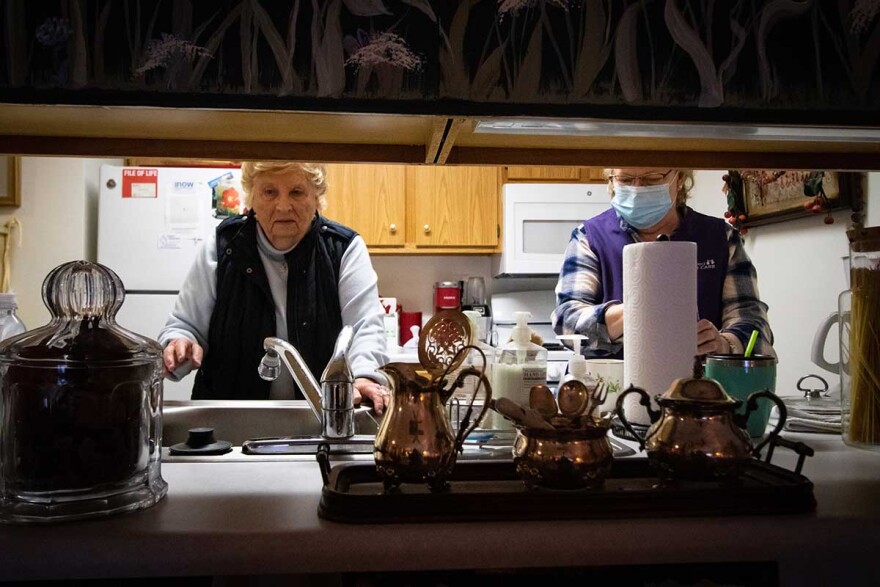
(146, 314)
(151, 221)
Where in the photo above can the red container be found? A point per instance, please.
(447, 295)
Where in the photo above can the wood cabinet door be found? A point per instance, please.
(371, 199)
(550, 174)
(454, 206)
(593, 174)
(516, 173)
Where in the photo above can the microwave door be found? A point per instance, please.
(538, 221)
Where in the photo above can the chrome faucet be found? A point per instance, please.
(332, 402)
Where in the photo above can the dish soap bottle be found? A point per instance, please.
(520, 365)
(10, 323)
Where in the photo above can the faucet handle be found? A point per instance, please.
(337, 390)
(343, 340)
(338, 368)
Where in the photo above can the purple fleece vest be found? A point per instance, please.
(607, 240)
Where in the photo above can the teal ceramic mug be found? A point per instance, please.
(740, 377)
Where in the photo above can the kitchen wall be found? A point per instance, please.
(798, 262)
(800, 274)
(58, 217)
(411, 279)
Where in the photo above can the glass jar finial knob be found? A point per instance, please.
(84, 290)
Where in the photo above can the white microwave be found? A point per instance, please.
(538, 220)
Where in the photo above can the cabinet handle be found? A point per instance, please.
(427, 228)
(393, 228)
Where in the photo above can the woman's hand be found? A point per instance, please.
(179, 352)
(369, 389)
(709, 340)
(614, 321)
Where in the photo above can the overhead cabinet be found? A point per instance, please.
(418, 209)
(515, 174)
(370, 199)
(454, 206)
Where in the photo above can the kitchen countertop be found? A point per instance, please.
(260, 518)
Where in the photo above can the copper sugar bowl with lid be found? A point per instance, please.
(80, 407)
(697, 434)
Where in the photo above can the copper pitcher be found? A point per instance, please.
(415, 442)
(697, 434)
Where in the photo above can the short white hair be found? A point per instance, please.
(316, 173)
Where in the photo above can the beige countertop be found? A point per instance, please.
(260, 518)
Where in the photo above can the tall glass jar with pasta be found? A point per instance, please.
(860, 341)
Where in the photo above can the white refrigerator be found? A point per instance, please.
(151, 223)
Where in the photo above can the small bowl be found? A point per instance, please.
(567, 458)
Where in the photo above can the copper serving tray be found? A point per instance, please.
(492, 490)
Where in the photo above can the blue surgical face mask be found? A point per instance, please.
(642, 206)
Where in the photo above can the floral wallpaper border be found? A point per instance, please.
(733, 60)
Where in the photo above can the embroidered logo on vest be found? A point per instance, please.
(707, 264)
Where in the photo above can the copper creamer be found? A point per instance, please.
(415, 443)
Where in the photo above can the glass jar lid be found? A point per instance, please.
(864, 240)
(83, 299)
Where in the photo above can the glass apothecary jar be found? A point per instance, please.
(860, 342)
(80, 407)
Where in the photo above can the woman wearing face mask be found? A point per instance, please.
(647, 203)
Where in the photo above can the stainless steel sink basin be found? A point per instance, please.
(237, 421)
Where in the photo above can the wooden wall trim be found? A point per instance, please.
(415, 154)
(225, 150)
(455, 127)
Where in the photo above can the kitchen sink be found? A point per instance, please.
(239, 420)
(290, 428)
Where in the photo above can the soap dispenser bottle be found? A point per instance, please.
(520, 365)
(577, 365)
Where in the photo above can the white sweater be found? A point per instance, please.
(358, 299)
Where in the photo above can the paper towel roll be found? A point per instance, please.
(659, 318)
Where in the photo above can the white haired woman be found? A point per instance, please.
(647, 203)
(283, 270)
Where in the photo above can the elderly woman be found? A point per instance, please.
(280, 270)
(646, 203)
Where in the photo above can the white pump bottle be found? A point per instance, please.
(577, 365)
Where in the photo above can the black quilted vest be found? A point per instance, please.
(244, 314)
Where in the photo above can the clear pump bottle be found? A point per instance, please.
(10, 323)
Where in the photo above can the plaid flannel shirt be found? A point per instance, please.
(580, 310)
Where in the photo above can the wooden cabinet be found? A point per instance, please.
(417, 209)
(370, 199)
(454, 206)
(551, 174)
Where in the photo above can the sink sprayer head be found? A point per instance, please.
(270, 366)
